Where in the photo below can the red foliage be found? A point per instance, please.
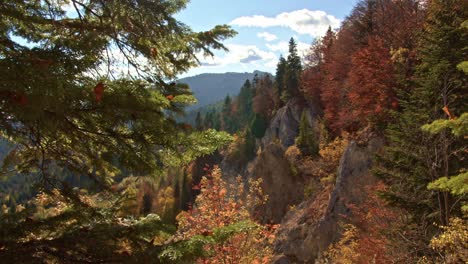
(375, 221)
(371, 83)
(336, 70)
(99, 91)
(350, 69)
(264, 99)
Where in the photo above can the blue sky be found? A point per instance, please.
(264, 27)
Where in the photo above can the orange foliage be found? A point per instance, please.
(220, 205)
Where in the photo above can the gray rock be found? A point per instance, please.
(282, 186)
(285, 124)
(303, 240)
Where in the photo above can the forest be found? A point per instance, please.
(353, 153)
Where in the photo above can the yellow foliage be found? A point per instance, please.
(345, 250)
(452, 244)
(292, 154)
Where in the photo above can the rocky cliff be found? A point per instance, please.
(282, 185)
(302, 237)
(285, 124)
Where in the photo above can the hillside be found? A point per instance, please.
(210, 88)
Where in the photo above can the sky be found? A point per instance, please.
(264, 28)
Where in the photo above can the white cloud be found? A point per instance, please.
(267, 36)
(283, 47)
(244, 54)
(304, 21)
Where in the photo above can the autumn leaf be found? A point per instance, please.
(447, 111)
(99, 91)
(154, 52)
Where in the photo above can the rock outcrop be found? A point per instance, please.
(285, 124)
(303, 237)
(283, 187)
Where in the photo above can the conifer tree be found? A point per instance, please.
(228, 122)
(259, 126)
(306, 140)
(415, 158)
(244, 101)
(279, 78)
(199, 121)
(93, 95)
(293, 72)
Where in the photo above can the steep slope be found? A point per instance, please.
(303, 236)
(285, 124)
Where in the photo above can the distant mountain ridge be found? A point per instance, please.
(210, 88)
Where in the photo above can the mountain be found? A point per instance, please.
(210, 88)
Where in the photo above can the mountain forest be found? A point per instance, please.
(355, 152)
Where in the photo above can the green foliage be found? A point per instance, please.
(293, 71)
(199, 121)
(259, 126)
(414, 158)
(306, 140)
(458, 126)
(92, 94)
(244, 103)
(53, 113)
(279, 77)
(186, 251)
(456, 185)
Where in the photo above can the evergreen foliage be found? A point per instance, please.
(306, 139)
(69, 104)
(415, 158)
(244, 103)
(293, 73)
(279, 77)
(259, 126)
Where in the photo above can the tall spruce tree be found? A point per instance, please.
(92, 93)
(306, 140)
(293, 72)
(415, 158)
(244, 104)
(279, 78)
(199, 121)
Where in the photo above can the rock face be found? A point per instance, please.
(282, 186)
(302, 239)
(285, 124)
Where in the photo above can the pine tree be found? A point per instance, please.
(415, 158)
(244, 101)
(228, 122)
(68, 104)
(259, 126)
(306, 140)
(249, 147)
(199, 121)
(293, 72)
(279, 78)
